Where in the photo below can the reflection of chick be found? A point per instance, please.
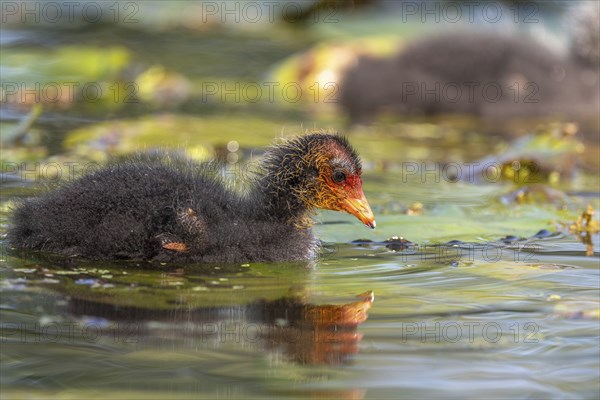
(480, 74)
(159, 207)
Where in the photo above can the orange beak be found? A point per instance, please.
(359, 207)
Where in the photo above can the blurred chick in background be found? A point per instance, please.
(491, 75)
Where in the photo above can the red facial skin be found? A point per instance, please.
(349, 197)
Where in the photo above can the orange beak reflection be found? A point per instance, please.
(359, 207)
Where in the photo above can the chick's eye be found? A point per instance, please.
(339, 176)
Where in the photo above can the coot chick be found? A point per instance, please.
(166, 208)
(486, 75)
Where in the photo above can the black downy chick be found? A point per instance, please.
(167, 208)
